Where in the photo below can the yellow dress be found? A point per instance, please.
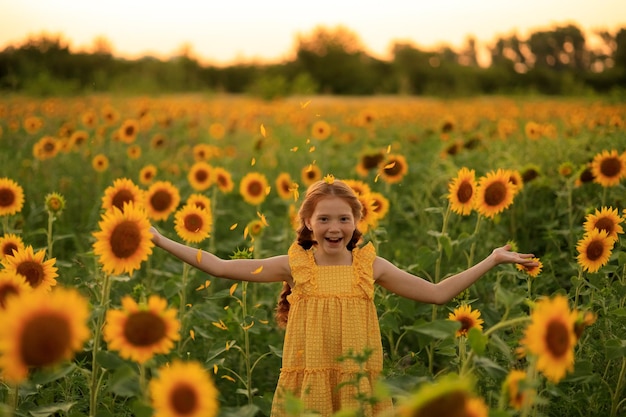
(332, 313)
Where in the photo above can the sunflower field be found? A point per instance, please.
(95, 320)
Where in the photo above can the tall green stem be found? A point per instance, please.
(49, 234)
(95, 368)
(617, 395)
(183, 303)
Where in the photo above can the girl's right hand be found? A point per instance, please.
(156, 236)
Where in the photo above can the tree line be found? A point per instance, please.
(557, 61)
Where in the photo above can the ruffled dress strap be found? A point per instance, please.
(363, 261)
(302, 264)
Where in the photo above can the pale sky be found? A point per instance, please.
(223, 31)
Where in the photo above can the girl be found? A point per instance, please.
(328, 297)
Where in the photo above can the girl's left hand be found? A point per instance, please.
(503, 255)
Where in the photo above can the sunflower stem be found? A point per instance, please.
(183, 302)
(13, 399)
(214, 214)
(49, 234)
(95, 368)
(616, 400)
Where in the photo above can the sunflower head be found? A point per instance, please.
(38, 272)
(468, 318)
(594, 250)
(11, 197)
(608, 219)
(9, 243)
(254, 188)
(449, 395)
(550, 337)
(494, 193)
(609, 168)
(532, 271)
(516, 389)
(55, 203)
(192, 223)
(462, 192)
(11, 285)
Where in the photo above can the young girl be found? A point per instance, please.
(328, 296)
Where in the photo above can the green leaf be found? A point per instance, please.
(109, 360)
(124, 382)
(446, 244)
(477, 340)
(141, 409)
(490, 367)
(46, 376)
(438, 329)
(615, 349)
(49, 410)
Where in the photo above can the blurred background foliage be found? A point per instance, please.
(558, 61)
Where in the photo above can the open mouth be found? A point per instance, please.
(333, 239)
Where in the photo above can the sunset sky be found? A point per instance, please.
(225, 31)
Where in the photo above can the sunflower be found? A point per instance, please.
(11, 197)
(468, 318)
(100, 163)
(320, 130)
(359, 187)
(532, 271)
(310, 174)
(381, 204)
(494, 193)
(530, 173)
(284, 186)
(41, 329)
(223, 179)
(515, 177)
(9, 243)
(89, 119)
(394, 168)
(124, 239)
(608, 168)
(199, 200)
(369, 161)
(513, 386)
(110, 115)
(594, 250)
(450, 395)
(46, 148)
(217, 130)
(462, 192)
(369, 217)
(253, 188)
(78, 139)
(122, 191)
(584, 319)
(566, 169)
(161, 199)
(127, 133)
(532, 130)
(199, 176)
(550, 336)
(39, 273)
(139, 331)
(254, 229)
(133, 151)
(192, 223)
(366, 118)
(605, 219)
(147, 174)
(203, 152)
(183, 389)
(158, 141)
(54, 203)
(33, 124)
(11, 285)
(585, 176)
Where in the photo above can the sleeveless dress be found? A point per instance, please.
(332, 313)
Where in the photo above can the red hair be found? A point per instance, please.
(316, 192)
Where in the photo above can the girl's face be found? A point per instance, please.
(332, 224)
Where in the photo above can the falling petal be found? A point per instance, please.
(230, 378)
(233, 227)
(390, 165)
(257, 271)
(192, 334)
(312, 149)
(215, 368)
(305, 104)
(294, 149)
(253, 162)
(199, 255)
(248, 326)
(262, 130)
(233, 288)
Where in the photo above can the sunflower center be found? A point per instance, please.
(121, 197)
(393, 168)
(371, 161)
(495, 193)
(466, 324)
(451, 404)
(605, 224)
(201, 175)
(557, 339)
(193, 222)
(8, 249)
(465, 192)
(45, 340)
(125, 239)
(611, 167)
(129, 131)
(595, 250)
(5, 291)
(7, 197)
(161, 200)
(32, 271)
(184, 399)
(255, 189)
(144, 328)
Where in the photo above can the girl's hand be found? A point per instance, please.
(503, 255)
(156, 236)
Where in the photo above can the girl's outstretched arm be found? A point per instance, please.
(259, 270)
(410, 286)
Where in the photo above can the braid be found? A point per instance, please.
(282, 309)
